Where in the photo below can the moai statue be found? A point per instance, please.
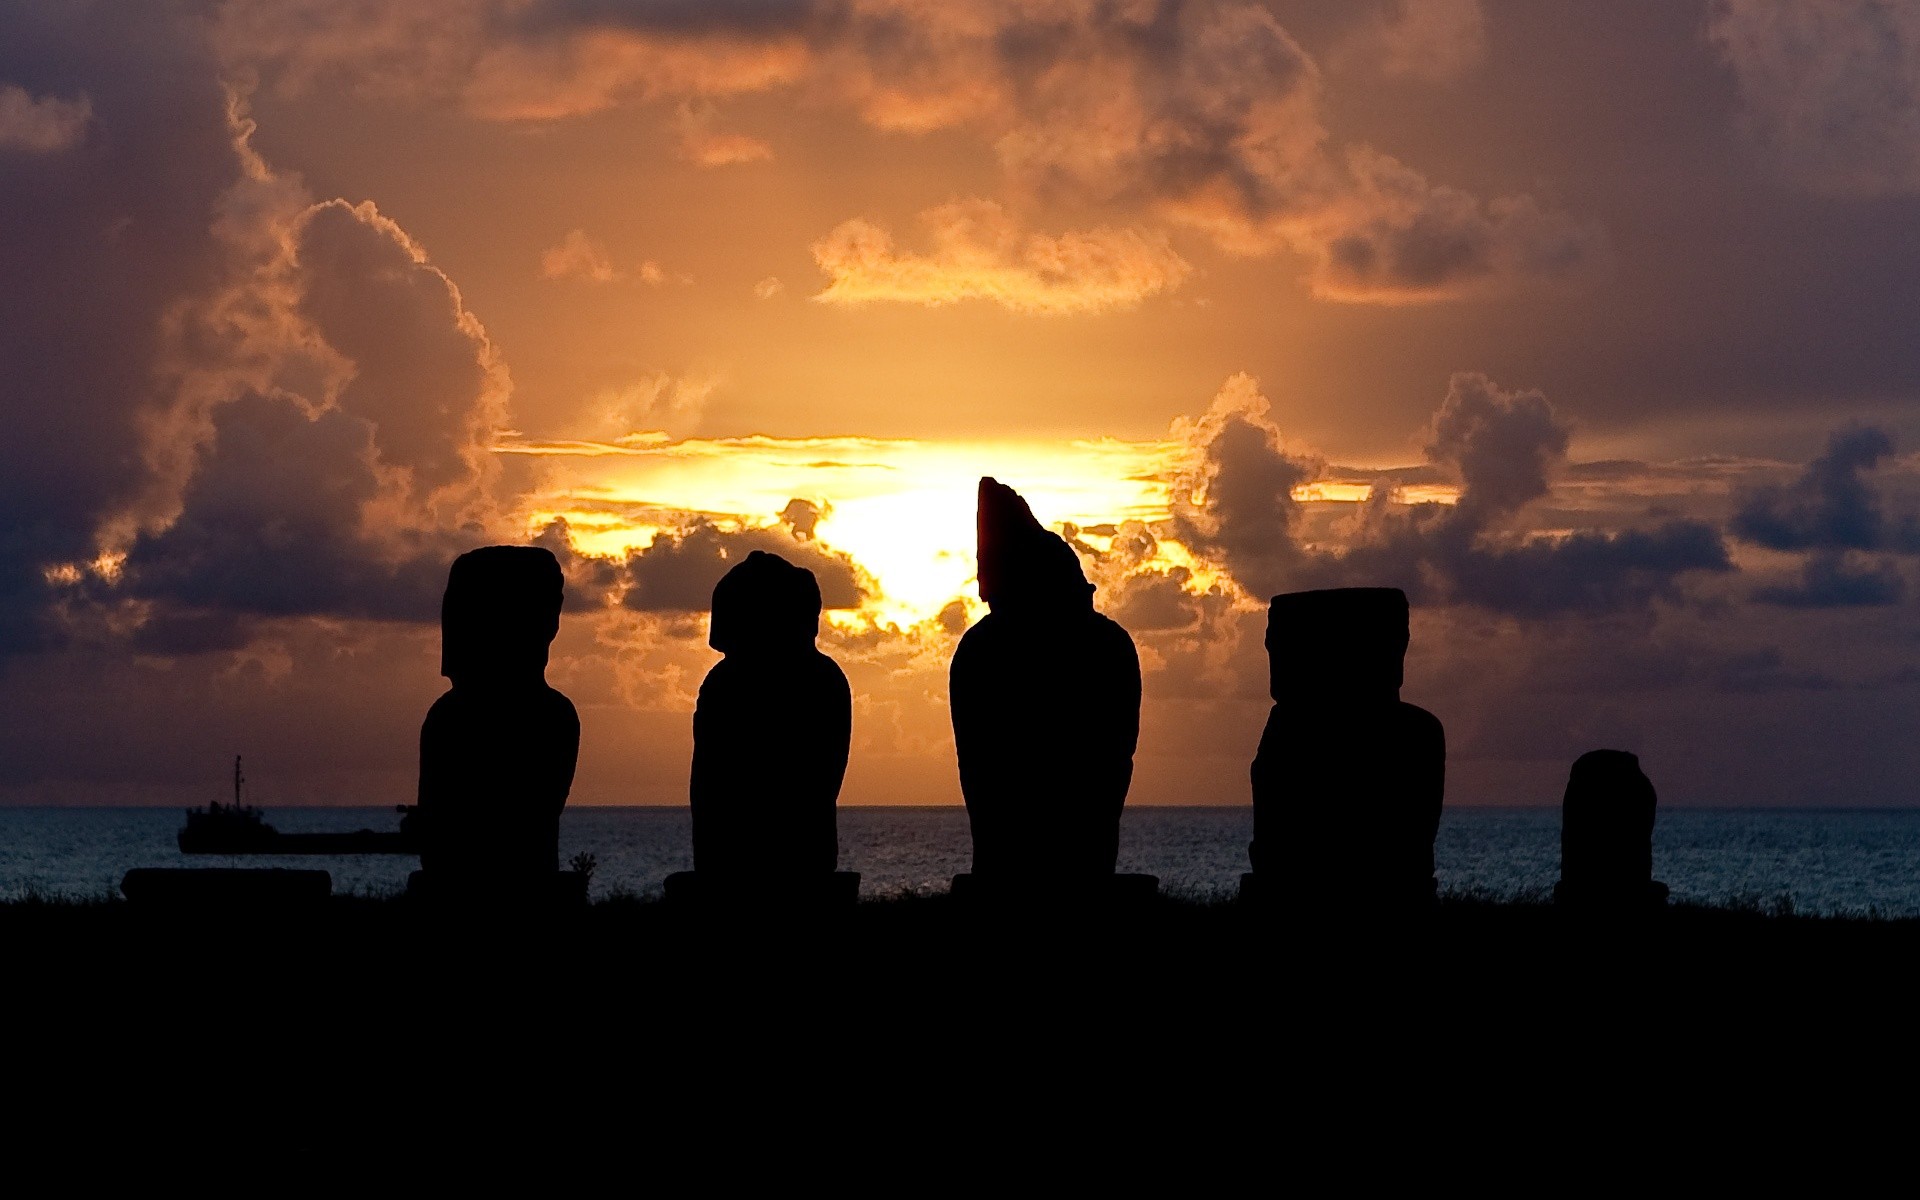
(497, 751)
(771, 731)
(1348, 780)
(1606, 836)
(1045, 695)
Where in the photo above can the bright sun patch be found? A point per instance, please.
(904, 510)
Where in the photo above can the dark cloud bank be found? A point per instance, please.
(1502, 448)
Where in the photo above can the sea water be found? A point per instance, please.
(1814, 860)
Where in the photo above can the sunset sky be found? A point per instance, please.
(1590, 325)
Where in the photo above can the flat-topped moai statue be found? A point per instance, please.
(1046, 707)
(1606, 835)
(771, 731)
(1348, 781)
(497, 751)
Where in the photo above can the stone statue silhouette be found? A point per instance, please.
(1606, 835)
(497, 750)
(1348, 781)
(1045, 695)
(771, 730)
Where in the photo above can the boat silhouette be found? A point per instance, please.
(241, 828)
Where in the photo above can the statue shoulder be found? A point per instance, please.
(830, 671)
(981, 637)
(447, 708)
(1112, 630)
(1421, 723)
(558, 708)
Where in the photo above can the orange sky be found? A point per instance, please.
(1585, 324)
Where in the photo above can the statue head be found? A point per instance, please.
(1024, 566)
(764, 604)
(1349, 643)
(500, 614)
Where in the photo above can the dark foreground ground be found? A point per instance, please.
(918, 959)
(960, 1027)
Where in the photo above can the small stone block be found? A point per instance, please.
(225, 887)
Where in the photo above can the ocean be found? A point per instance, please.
(1816, 861)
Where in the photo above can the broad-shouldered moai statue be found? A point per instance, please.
(1045, 695)
(1348, 781)
(771, 730)
(497, 751)
(1606, 835)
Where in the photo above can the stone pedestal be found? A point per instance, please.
(238, 888)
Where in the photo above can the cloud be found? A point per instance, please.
(1234, 502)
(258, 404)
(1591, 573)
(350, 496)
(1834, 515)
(1135, 583)
(1831, 88)
(41, 126)
(1433, 41)
(272, 525)
(578, 256)
(1829, 580)
(595, 68)
(768, 288)
(1394, 238)
(1501, 445)
(1155, 600)
(1202, 114)
(424, 371)
(657, 403)
(979, 253)
(1831, 506)
(678, 570)
(509, 60)
(1209, 116)
(96, 254)
(1236, 505)
(592, 581)
(803, 516)
(702, 144)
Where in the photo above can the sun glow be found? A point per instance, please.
(904, 510)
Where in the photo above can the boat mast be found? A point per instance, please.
(238, 779)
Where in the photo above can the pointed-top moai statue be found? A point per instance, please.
(770, 732)
(1606, 836)
(497, 750)
(1348, 781)
(1045, 695)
